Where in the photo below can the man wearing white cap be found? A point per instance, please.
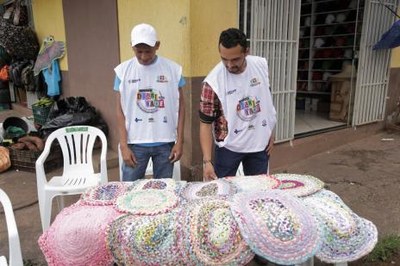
(150, 108)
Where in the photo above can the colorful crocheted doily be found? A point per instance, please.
(254, 182)
(211, 234)
(146, 240)
(163, 184)
(147, 201)
(299, 185)
(346, 236)
(212, 189)
(104, 194)
(277, 226)
(77, 236)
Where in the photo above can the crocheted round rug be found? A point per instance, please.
(346, 236)
(146, 240)
(162, 183)
(277, 226)
(104, 194)
(211, 234)
(147, 201)
(254, 182)
(299, 185)
(78, 236)
(212, 189)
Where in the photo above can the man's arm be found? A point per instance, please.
(206, 143)
(209, 105)
(270, 144)
(271, 140)
(127, 154)
(177, 150)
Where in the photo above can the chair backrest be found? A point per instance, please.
(77, 143)
(15, 255)
(149, 169)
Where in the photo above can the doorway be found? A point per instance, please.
(323, 71)
(329, 44)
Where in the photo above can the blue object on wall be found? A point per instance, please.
(389, 39)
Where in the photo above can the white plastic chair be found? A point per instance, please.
(14, 246)
(77, 143)
(176, 175)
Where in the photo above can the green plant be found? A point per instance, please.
(386, 247)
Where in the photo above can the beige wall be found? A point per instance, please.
(208, 19)
(395, 60)
(49, 20)
(172, 25)
(188, 32)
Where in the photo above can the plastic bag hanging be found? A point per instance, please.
(389, 39)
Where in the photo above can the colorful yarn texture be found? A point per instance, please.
(284, 218)
(254, 182)
(147, 202)
(146, 240)
(277, 226)
(211, 234)
(77, 236)
(204, 190)
(346, 236)
(299, 185)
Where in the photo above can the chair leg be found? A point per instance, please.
(60, 201)
(45, 205)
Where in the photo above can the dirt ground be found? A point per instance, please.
(366, 175)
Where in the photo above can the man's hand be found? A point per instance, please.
(128, 156)
(208, 171)
(270, 145)
(176, 152)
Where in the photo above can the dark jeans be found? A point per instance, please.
(162, 166)
(227, 162)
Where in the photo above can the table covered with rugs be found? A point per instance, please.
(284, 218)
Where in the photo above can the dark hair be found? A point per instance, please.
(232, 37)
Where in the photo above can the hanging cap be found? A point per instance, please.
(144, 33)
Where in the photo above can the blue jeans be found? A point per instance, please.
(227, 162)
(162, 166)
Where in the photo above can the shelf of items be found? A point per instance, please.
(314, 92)
(330, 32)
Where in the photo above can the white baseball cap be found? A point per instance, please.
(144, 33)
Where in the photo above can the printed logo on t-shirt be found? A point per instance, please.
(254, 82)
(133, 80)
(150, 100)
(264, 123)
(231, 92)
(248, 107)
(162, 79)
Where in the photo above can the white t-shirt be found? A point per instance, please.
(247, 105)
(150, 99)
